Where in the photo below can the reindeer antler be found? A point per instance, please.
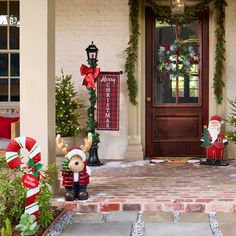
(61, 144)
(87, 143)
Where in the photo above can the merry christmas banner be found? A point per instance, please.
(108, 100)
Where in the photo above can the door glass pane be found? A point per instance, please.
(15, 90)
(194, 86)
(165, 89)
(3, 12)
(14, 37)
(188, 90)
(14, 13)
(4, 64)
(181, 86)
(3, 37)
(3, 90)
(177, 71)
(15, 68)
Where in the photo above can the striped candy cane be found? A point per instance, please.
(13, 161)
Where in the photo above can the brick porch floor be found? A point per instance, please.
(123, 186)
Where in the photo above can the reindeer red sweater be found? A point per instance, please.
(68, 177)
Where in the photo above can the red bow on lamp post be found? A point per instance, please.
(90, 75)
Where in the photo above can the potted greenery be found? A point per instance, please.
(231, 135)
(67, 110)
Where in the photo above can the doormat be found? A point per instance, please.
(175, 160)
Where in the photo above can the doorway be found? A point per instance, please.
(176, 104)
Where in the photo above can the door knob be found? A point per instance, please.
(148, 99)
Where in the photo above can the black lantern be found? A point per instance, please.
(92, 52)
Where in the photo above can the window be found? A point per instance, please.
(177, 89)
(9, 52)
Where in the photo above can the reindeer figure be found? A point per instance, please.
(75, 172)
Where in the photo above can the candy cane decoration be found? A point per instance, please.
(14, 161)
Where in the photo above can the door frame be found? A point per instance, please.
(150, 63)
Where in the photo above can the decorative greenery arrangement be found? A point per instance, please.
(13, 194)
(132, 51)
(220, 50)
(163, 13)
(45, 196)
(6, 231)
(176, 59)
(231, 119)
(67, 105)
(91, 122)
(27, 225)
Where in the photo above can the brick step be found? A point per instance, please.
(110, 205)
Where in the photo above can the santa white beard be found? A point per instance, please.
(214, 133)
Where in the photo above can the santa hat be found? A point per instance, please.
(216, 118)
(78, 152)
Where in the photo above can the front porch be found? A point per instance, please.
(139, 185)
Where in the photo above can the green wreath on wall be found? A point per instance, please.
(163, 13)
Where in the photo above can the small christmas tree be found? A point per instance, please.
(231, 120)
(205, 138)
(65, 165)
(67, 105)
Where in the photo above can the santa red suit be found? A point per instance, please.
(216, 150)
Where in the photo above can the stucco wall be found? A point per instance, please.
(230, 50)
(230, 69)
(79, 22)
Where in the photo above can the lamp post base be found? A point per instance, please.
(93, 159)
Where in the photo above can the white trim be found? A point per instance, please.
(75, 152)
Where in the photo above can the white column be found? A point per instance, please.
(136, 130)
(37, 68)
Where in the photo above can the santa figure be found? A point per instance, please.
(214, 141)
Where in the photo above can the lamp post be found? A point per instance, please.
(93, 159)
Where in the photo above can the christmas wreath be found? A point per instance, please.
(177, 59)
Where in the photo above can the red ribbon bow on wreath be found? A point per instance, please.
(90, 75)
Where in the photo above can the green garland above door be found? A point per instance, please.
(163, 13)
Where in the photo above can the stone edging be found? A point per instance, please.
(137, 228)
(214, 224)
(59, 224)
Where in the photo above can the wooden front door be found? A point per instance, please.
(176, 106)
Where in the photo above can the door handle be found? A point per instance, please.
(148, 99)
